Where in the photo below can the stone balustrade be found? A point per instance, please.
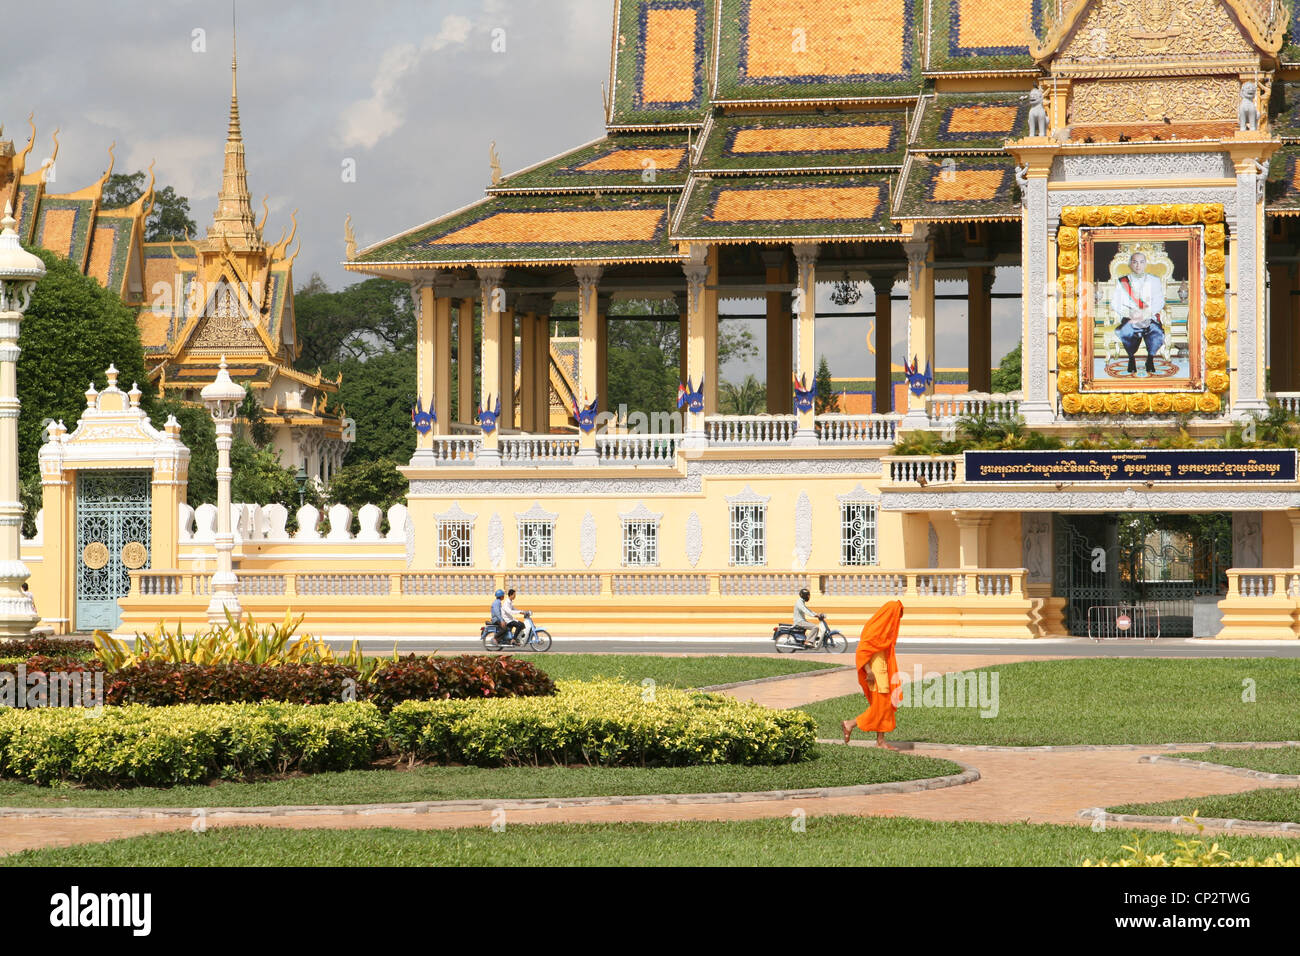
(940, 408)
(833, 429)
(538, 449)
(255, 523)
(938, 470)
(1289, 401)
(750, 430)
(638, 449)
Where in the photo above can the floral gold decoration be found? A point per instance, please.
(95, 555)
(1068, 333)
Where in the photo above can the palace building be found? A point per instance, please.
(1131, 162)
(1122, 173)
(228, 293)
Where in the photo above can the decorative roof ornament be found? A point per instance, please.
(349, 239)
(494, 160)
(846, 292)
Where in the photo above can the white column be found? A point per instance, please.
(223, 398)
(805, 345)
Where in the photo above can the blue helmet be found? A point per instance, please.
(500, 593)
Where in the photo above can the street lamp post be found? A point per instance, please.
(301, 480)
(19, 273)
(223, 398)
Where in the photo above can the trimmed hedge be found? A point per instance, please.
(149, 746)
(603, 723)
(161, 683)
(52, 646)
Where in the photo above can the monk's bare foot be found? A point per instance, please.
(847, 727)
(885, 746)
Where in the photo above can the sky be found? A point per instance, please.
(407, 95)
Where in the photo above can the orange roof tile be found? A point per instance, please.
(846, 38)
(56, 235)
(608, 225)
(826, 202)
(669, 75)
(956, 185)
(634, 160)
(812, 139)
(982, 119)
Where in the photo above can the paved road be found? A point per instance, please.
(1073, 647)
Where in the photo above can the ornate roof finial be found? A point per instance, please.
(349, 238)
(234, 217)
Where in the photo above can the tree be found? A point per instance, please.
(199, 435)
(747, 398)
(73, 330)
(259, 478)
(378, 393)
(1006, 377)
(255, 428)
(365, 319)
(368, 482)
(170, 219)
(826, 400)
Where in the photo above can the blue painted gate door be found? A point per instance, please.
(113, 539)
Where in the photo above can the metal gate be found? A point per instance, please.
(1148, 562)
(113, 539)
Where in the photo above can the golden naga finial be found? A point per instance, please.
(494, 160)
(146, 197)
(871, 336)
(349, 239)
(112, 161)
(266, 211)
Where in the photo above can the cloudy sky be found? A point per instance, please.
(408, 92)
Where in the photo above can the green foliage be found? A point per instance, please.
(368, 481)
(826, 399)
(747, 398)
(365, 319)
(603, 722)
(378, 393)
(199, 435)
(259, 478)
(170, 219)
(253, 424)
(1006, 377)
(73, 330)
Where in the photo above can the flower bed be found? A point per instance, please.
(605, 723)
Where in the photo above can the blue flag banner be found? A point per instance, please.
(1133, 466)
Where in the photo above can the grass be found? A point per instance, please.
(832, 766)
(674, 671)
(1269, 760)
(1274, 804)
(826, 841)
(1109, 701)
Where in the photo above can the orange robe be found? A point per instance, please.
(876, 647)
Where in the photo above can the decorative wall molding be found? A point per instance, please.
(1247, 539)
(1207, 165)
(456, 513)
(587, 539)
(858, 494)
(536, 513)
(748, 497)
(803, 530)
(694, 539)
(1059, 198)
(641, 513)
(1036, 547)
(932, 537)
(496, 542)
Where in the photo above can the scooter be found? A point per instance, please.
(789, 639)
(531, 638)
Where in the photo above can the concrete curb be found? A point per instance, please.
(833, 669)
(968, 775)
(1097, 813)
(1068, 748)
(1226, 768)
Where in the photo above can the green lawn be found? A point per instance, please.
(827, 841)
(833, 766)
(1276, 804)
(1109, 701)
(1268, 760)
(675, 671)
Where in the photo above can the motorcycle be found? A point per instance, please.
(789, 639)
(531, 638)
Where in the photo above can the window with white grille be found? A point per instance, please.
(857, 532)
(748, 535)
(536, 544)
(455, 544)
(640, 544)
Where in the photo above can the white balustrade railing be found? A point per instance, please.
(924, 470)
(448, 583)
(1290, 401)
(638, 449)
(761, 583)
(456, 449)
(869, 584)
(667, 584)
(342, 584)
(555, 584)
(533, 449)
(971, 404)
(995, 584)
(750, 429)
(160, 583)
(857, 429)
(941, 584)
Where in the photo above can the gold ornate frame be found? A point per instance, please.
(1073, 309)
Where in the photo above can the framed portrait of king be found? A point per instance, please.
(1141, 292)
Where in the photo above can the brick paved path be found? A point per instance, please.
(1032, 785)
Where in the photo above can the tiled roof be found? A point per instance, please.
(1282, 191)
(110, 248)
(954, 122)
(515, 229)
(659, 72)
(958, 187)
(968, 35)
(849, 206)
(64, 227)
(818, 49)
(1286, 122)
(627, 161)
(753, 142)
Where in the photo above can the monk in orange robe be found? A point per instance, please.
(877, 673)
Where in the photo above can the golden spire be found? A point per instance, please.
(234, 220)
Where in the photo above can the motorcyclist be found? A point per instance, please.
(806, 623)
(512, 617)
(498, 618)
